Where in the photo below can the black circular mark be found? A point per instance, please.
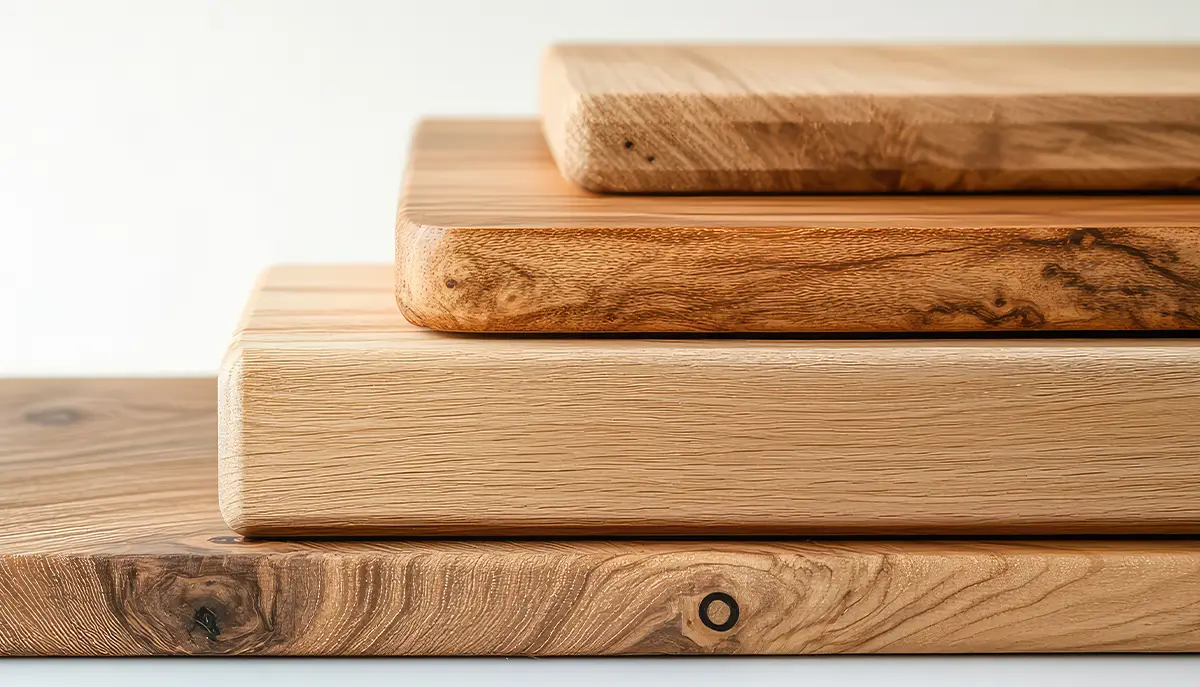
(54, 417)
(1000, 303)
(649, 158)
(628, 145)
(726, 599)
(450, 283)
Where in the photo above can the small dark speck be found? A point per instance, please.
(1000, 302)
(649, 158)
(206, 619)
(628, 145)
(450, 283)
(54, 417)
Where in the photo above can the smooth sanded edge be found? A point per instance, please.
(231, 492)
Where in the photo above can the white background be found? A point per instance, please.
(155, 156)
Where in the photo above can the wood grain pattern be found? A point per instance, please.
(338, 417)
(821, 118)
(111, 544)
(491, 239)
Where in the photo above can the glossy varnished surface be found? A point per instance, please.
(111, 544)
(860, 118)
(491, 239)
(338, 417)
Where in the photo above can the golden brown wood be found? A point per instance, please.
(338, 417)
(856, 118)
(490, 238)
(111, 544)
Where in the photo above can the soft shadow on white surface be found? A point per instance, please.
(842, 671)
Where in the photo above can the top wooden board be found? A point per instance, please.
(823, 118)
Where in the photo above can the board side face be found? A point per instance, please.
(96, 563)
(816, 280)
(873, 119)
(379, 427)
(489, 239)
(568, 601)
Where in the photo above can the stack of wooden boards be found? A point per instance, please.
(801, 367)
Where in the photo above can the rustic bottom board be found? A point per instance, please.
(111, 544)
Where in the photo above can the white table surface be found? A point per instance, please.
(842, 671)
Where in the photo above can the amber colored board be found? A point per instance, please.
(489, 238)
(878, 119)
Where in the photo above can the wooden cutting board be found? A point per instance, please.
(111, 544)
(877, 119)
(339, 418)
(491, 239)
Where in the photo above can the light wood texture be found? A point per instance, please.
(338, 417)
(490, 238)
(111, 544)
(654, 118)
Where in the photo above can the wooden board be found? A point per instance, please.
(111, 544)
(491, 239)
(878, 119)
(338, 417)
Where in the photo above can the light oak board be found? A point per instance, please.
(338, 417)
(873, 118)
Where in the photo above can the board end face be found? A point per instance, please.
(247, 507)
(234, 445)
(570, 121)
(231, 441)
(425, 281)
(426, 264)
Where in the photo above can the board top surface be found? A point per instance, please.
(352, 307)
(127, 467)
(73, 448)
(117, 467)
(499, 174)
(111, 544)
(927, 70)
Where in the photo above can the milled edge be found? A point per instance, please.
(418, 247)
(230, 441)
(566, 120)
(231, 417)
